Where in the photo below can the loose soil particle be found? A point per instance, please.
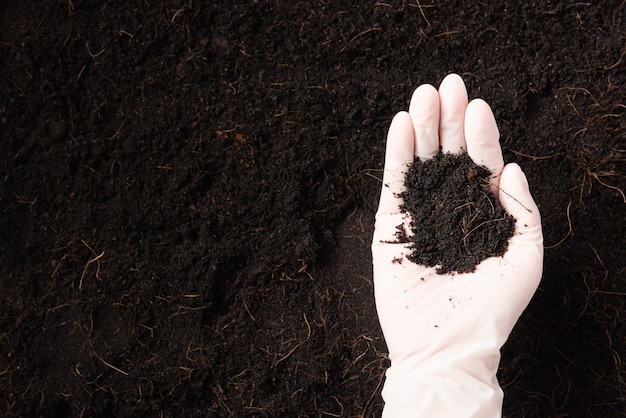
(456, 221)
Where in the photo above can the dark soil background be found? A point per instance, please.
(187, 192)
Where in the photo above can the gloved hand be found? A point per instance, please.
(444, 332)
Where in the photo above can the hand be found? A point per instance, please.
(444, 332)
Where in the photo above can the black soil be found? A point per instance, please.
(456, 221)
(188, 189)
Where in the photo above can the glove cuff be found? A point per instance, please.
(467, 389)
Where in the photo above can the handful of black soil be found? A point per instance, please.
(456, 221)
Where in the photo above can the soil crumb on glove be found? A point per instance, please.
(456, 221)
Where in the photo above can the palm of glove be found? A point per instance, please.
(427, 318)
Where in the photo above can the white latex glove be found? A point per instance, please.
(444, 332)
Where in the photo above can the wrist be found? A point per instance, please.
(458, 379)
(460, 389)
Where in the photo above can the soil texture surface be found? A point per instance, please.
(456, 221)
(188, 189)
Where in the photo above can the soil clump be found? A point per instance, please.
(456, 221)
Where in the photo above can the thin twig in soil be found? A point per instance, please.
(95, 258)
(467, 223)
(358, 35)
(366, 172)
(569, 222)
(509, 195)
(110, 365)
(463, 205)
(597, 177)
(610, 67)
(419, 6)
(478, 226)
(331, 414)
(532, 157)
(297, 345)
(575, 90)
(246, 306)
(606, 272)
(493, 209)
(506, 193)
(369, 401)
